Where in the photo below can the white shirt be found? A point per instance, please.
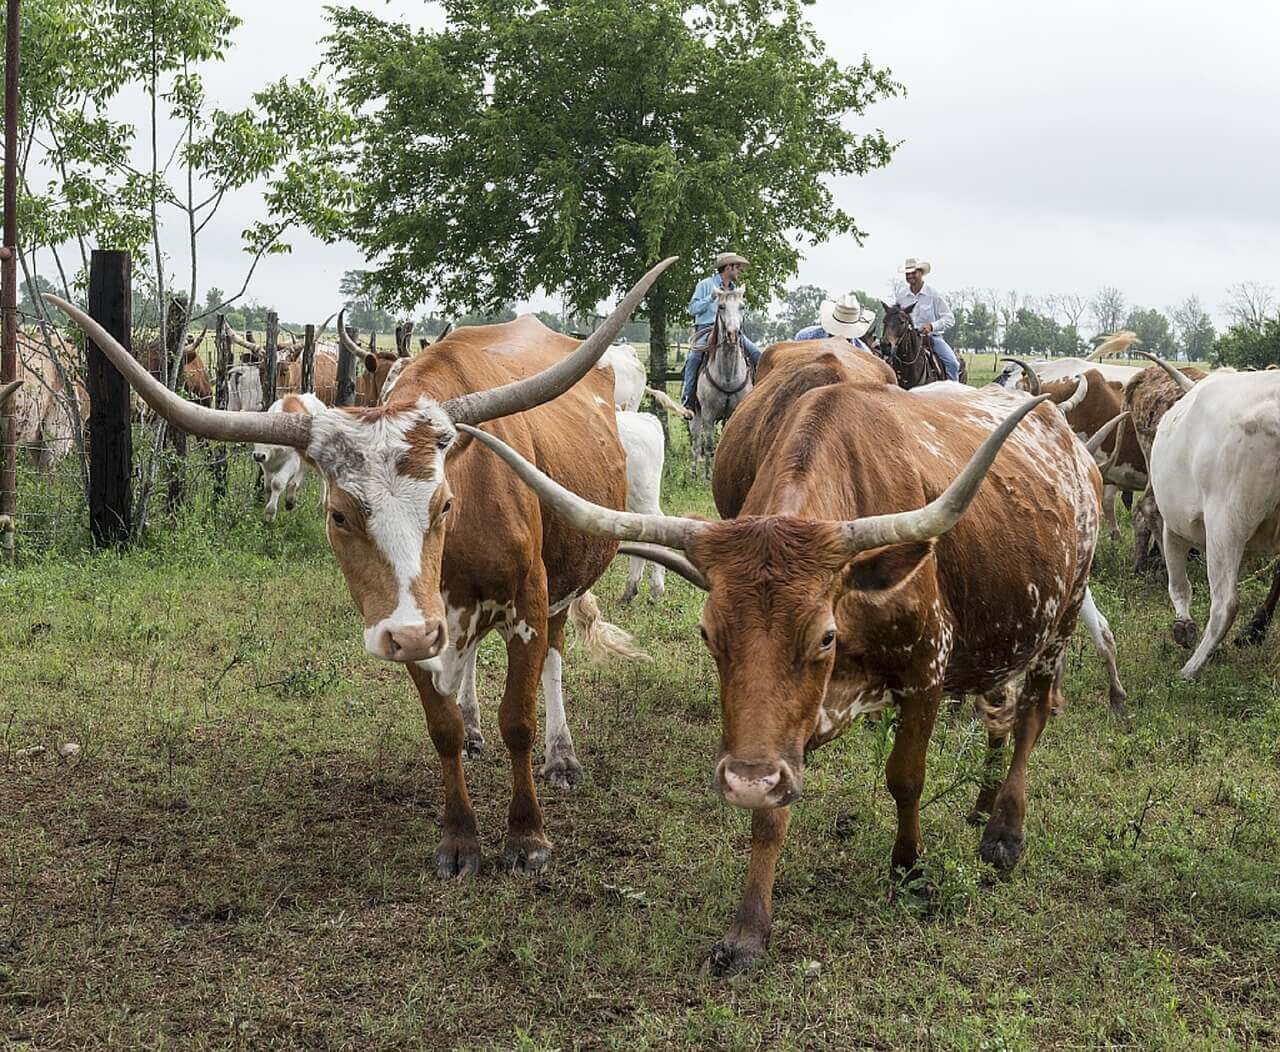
(930, 308)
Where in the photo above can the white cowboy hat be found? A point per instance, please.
(916, 264)
(728, 258)
(846, 317)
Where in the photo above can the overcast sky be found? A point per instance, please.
(1045, 147)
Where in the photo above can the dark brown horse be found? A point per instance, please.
(909, 351)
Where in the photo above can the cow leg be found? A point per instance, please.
(904, 776)
(992, 776)
(1002, 841)
(277, 488)
(1175, 561)
(635, 572)
(459, 852)
(748, 936)
(1255, 631)
(1105, 644)
(527, 848)
(1109, 509)
(657, 580)
(1225, 553)
(560, 766)
(469, 705)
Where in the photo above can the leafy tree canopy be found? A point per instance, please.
(1250, 346)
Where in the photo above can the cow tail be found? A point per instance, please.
(667, 402)
(598, 636)
(998, 709)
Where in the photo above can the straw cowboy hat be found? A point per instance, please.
(726, 259)
(846, 317)
(916, 264)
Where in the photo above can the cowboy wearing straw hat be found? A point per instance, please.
(931, 315)
(843, 317)
(703, 309)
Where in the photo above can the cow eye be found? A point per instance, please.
(448, 507)
(828, 638)
(338, 518)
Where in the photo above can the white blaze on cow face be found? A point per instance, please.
(387, 507)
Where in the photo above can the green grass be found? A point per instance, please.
(241, 854)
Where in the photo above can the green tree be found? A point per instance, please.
(975, 328)
(1031, 334)
(362, 309)
(1152, 327)
(800, 307)
(1250, 346)
(1195, 332)
(568, 146)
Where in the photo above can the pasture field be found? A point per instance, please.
(241, 852)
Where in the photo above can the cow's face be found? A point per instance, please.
(785, 601)
(387, 507)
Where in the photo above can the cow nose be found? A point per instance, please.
(414, 642)
(756, 785)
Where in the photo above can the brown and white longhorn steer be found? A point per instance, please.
(438, 548)
(854, 581)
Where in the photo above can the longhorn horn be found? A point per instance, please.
(668, 530)
(672, 560)
(1033, 381)
(345, 340)
(551, 383)
(1178, 377)
(1078, 396)
(938, 516)
(9, 390)
(277, 429)
(1094, 445)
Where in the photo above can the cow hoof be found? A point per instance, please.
(1185, 632)
(629, 592)
(655, 594)
(473, 748)
(525, 854)
(729, 958)
(564, 772)
(289, 505)
(458, 858)
(1002, 848)
(1251, 635)
(1118, 698)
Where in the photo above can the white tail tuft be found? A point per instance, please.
(670, 404)
(1113, 345)
(599, 638)
(998, 709)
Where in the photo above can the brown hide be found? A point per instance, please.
(373, 376)
(786, 371)
(1149, 395)
(194, 380)
(289, 377)
(497, 534)
(42, 424)
(1104, 401)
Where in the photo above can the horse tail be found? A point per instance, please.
(598, 636)
(667, 402)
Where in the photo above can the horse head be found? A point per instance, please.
(901, 345)
(729, 315)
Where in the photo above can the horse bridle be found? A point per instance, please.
(713, 348)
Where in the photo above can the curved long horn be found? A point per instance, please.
(1078, 396)
(1178, 377)
(346, 341)
(672, 560)
(669, 530)
(1033, 381)
(1100, 436)
(551, 383)
(9, 390)
(277, 429)
(938, 516)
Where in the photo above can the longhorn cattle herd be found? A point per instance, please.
(878, 549)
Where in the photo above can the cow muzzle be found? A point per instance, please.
(408, 642)
(757, 785)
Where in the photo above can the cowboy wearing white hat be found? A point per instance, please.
(703, 309)
(845, 317)
(931, 315)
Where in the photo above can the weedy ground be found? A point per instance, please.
(241, 852)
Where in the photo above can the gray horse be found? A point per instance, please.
(725, 379)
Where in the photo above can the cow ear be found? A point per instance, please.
(886, 569)
(371, 363)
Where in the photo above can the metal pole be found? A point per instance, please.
(9, 282)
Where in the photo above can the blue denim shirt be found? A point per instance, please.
(703, 304)
(817, 332)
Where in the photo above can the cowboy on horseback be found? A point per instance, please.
(930, 314)
(843, 317)
(703, 307)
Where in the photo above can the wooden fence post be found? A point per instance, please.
(111, 438)
(272, 356)
(221, 395)
(347, 372)
(308, 359)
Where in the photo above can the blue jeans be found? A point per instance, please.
(949, 360)
(694, 362)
